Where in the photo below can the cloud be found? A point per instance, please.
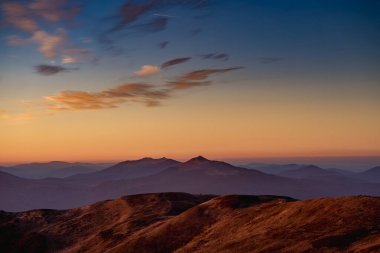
(25, 16)
(74, 54)
(55, 10)
(175, 62)
(216, 56)
(50, 44)
(132, 11)
(267, 60)
(19, 16)
(48, 70)
(66, 59)
(155, 25)
(204, 73)
(147, 94)
(163, 44)
(15, 40)
(197, 78)
(15, 118)
(147, 70)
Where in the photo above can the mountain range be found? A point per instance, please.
(52, 169)
(196, 176)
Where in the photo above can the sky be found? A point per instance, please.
(114, 80)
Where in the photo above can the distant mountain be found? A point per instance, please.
(52, 169)
(23, 194)
(180, 222)
(310, 171)
(202, 176)
(347, 173)
(272, 168)
(371, 175)
(197, 176)
(127, 170)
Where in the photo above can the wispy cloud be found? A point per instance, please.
(197, 78)
(49, 44)
(132, 11)
(149, 95)
(52, 46)
(55, 10)
(147, 70)
(267, 60)
(15, 118)
(216, 56)
(204, 73)
(25, 16)
(44, 69)
(19, 16)
(163, 44)
(175, 62)
(155, 25)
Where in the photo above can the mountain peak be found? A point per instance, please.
(198, 159)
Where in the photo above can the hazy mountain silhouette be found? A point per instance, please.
(371, 175)
(310, 171)
(126, 170)
(197, 176)
(272, 168)
(52, 169)
(180, 222)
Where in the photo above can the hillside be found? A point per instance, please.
(180, 222)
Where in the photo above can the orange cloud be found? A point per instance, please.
(110, 98)
(197, 78)
(148, 94)
(15, 118)
(204, 73)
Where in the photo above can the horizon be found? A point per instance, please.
(350, 163)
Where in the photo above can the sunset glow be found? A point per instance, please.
(80, 84)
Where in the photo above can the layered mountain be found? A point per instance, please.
(197, 176)
(127, 170)
(371, 175)
(52, 169)
(310, 171)
(272, 168)
(202, 176)
(180, 222)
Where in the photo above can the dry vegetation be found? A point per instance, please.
(179, 222)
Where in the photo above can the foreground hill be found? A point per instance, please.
(180, 222)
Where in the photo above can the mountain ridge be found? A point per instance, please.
(181, 222)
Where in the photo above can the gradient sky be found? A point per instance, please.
(113, 80)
